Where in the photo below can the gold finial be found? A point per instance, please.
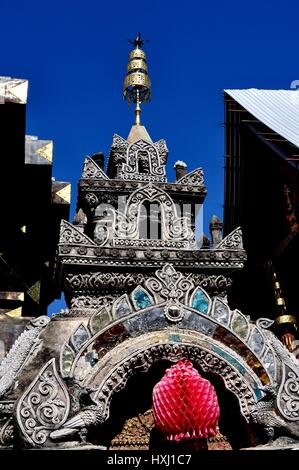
(137, 84)
(286, 323)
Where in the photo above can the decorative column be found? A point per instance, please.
(216, 226)
(180, 168)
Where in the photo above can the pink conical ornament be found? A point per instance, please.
(185, 404)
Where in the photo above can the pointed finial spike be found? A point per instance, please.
(138, 40)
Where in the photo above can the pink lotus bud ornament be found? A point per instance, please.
(185, 404)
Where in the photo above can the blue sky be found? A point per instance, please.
(74, 55)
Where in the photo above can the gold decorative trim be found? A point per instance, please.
(285, 319)
(46, 151)
(137, 79)
(65, 193)
(34, 291)
(137, 53)
(17, 312)
(136, 64)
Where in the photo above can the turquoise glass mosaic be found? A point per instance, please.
(141, 299)
(200, 301)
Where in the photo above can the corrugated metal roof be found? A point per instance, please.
(277, 109)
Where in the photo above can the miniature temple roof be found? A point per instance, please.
(138, 133)
(277, 109)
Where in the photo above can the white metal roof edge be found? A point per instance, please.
(277, 109)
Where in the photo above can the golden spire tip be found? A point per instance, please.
(137, 85)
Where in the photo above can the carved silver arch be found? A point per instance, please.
(142, 360)
(122, 228)
(153, 155)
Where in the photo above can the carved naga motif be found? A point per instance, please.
(20, 352)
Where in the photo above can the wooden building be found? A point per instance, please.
(32, 204)
(262, 194)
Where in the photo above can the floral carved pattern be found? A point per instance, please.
(195, 177)
(103, 281)
(213, 284)
(288, 395)
(233, 241)
(70, 234)
(150, 157)
(173, 227)
(6, 432)
(119, 143)
(169, 283)
(118, 227)
(44, 406)
(91, 200)
(87, 301)
(92, 170)
(162, 150)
